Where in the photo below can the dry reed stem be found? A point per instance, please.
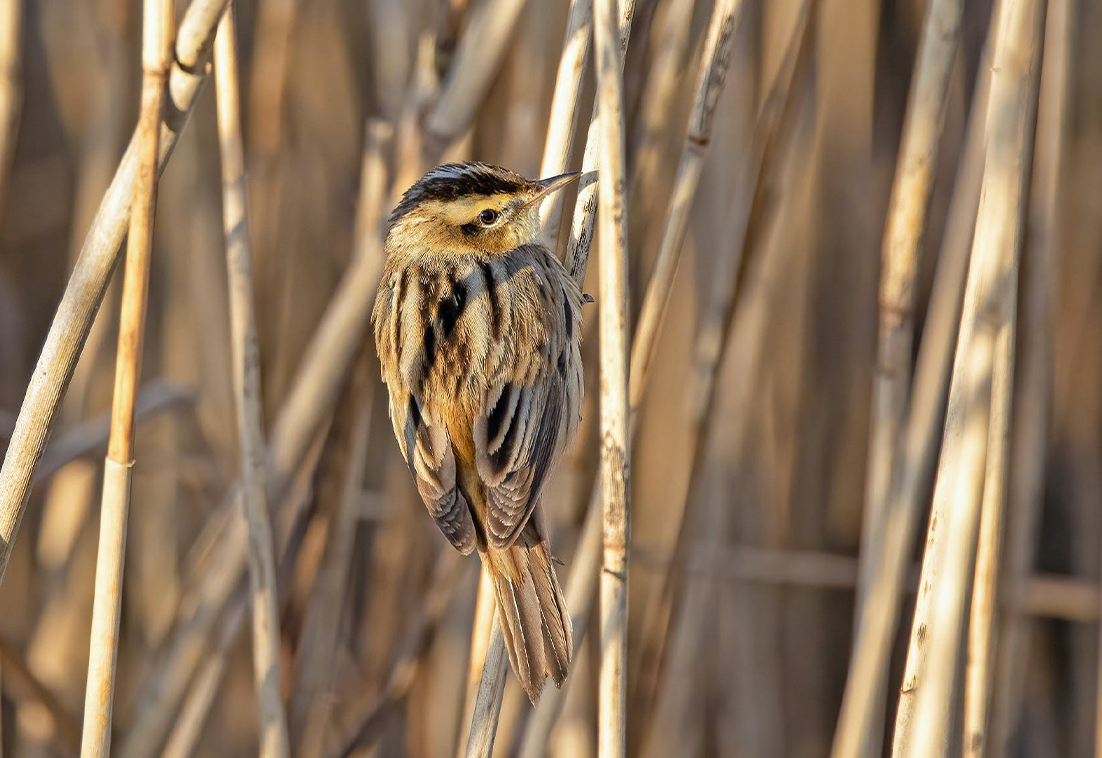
(903, 233)
(1034, 393)
(716, 327)
(582, 583)
(488, 699)
(614, 326)
(272, 724)
(713, 73)
(11, 86)
(968, 453)
(93, 269)
(565, 98)
(481, 629)
(487, 704)
(154, 399)
(914, 457)
(585, 207)
(487, 35)
(157, 23)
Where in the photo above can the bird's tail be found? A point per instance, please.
(531, 610)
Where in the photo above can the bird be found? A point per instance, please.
(477, 326)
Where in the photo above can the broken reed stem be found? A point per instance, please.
(614, 326)
(273, 740)
(157, 20)
(11, 87)
(1034, 385)
(905, 227)
(585, 206)
(987, 324)
(93, 269)
(713, 72)
(563, 121)
(916, 450)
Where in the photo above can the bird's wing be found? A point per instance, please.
(516, 438)
(428, 453)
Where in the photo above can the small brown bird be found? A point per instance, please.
(477, 325)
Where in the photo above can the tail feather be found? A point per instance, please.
(532, 611)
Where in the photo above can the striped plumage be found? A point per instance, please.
(477, 326)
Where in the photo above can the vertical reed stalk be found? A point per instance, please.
(487, 703)
(157, 18)
(903, 233)
(916, 449)
(563, 121)
(987, 329)
(246, 374)
(713, 73)
(585, 207)
(1034, 385)
(86, 285)
(615, 450)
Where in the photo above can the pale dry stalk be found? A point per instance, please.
(273, 740)
(488, 699)
(915, 452)
(713, 72)
(900, 250)
(1034, 385)
(158, 18)
(614, 326)
(987, 329)
(563, 121)
(93, 269)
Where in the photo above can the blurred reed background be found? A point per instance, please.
(783, 463)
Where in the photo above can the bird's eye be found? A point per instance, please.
(487, 217)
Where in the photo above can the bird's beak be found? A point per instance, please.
(545, 187)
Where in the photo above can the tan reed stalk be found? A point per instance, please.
(582, 583)
(157, 22)
(915, 453)
(614, 326)
(481, 630)
(903, 233)
(713, 73)
(987, 326)
(86, 285)
(487, 703)
(563, 121)
(585, 207)
(11, 86)
(488, 32)
(273, 740)
(1034, 385)
(715, 328)
(488, 699)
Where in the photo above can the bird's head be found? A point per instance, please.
(471, 207)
